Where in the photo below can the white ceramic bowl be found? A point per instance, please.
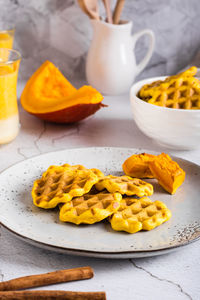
(175, 128)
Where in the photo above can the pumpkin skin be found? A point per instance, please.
(51, 97)
(71, 114)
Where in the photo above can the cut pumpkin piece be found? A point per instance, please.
(80, 105)
(51, 97)
(168, 173)
(137, 165)
(45, 89)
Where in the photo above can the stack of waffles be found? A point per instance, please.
(180, 91)
(86, 196)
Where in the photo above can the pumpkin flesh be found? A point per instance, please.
(168, 173)
(137, 165)
(46, 89)
(50, 96)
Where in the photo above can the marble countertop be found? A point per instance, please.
(171, 276)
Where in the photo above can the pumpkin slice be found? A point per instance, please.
(51, 97)
(81, 104)
(137, 165)
(168, 173)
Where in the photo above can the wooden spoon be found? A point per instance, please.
(108, 10)
(82, 6)
(117, 12)
(90, 8)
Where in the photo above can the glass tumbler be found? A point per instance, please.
(9, 116)
(6, 38)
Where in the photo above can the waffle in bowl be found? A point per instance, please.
(125, 185)
(90, 208)
(179, 91)
(60, 184)
(139, 214)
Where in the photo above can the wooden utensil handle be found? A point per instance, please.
(82, 6)
(47, 279)
(118, 10)
(108, 10)
(89, 8)
(50, 295)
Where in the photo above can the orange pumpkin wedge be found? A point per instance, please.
(51, 97)
(168, 173)
(137, 165)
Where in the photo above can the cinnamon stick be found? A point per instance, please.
(52, 295)
(46, 279)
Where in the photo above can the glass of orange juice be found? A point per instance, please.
(9, 116)
(6, 38)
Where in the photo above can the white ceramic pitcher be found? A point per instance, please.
(111, 66)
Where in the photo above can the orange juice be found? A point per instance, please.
(6, 40)
(9, 118)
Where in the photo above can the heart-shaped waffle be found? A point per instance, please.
(60, 184)
(139, 214)
(90, 208)
(125, 185)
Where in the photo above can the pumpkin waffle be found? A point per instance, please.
(125, 185)
(60, 184)
(139, 214)
(90, 208)
(147, 90)
(180, 91)
(72, 167)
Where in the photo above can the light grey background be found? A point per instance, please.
(58, 30)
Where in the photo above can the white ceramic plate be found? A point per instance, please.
(43, 228)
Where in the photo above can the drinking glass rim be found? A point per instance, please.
(12, 29)
(11, 60)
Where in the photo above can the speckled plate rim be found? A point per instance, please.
(96, 254)
(102, 254)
